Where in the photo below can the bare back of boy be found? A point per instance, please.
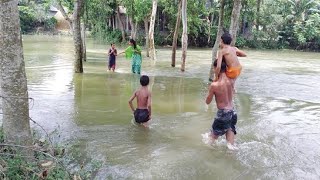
(143, 99)
(223, 92)
(142, 114)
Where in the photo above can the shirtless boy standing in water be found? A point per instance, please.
(143, 112)
(226, 118)
(229, 54)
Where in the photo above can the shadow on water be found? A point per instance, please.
(277, 126)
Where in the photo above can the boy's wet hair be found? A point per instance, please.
(223, 65)
(112, 44)
(226, 38)
(144, 80)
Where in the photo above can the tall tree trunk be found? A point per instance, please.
(243, 25)
(84, 49)
(175, 36)
(235, 20)
(85, 22)
(133, 28)
(184, 38)
(258, 14)
(209, 31)
(121, 26)
(13, 80)
(78, 66)
(151, 29)
(219, 33)
(75, 24)
(114, 26)
(210, 22)
(109, 23)
(146, 29)
(127, 23)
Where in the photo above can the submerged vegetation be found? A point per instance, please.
(48, 161)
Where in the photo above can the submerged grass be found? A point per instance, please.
(49, 161)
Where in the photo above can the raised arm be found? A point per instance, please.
(240, 53)
(130, 101)
(210, 94)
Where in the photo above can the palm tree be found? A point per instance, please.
(301, 8)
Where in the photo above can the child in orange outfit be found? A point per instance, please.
(230, 55)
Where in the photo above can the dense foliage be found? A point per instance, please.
(35, 16)
(263, 23)
(287, 24)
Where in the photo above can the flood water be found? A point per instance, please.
(278, 104)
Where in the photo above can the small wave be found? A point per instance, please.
(207, 139)
(133, 122)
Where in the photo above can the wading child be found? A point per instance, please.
(112, 57)
(143, 112)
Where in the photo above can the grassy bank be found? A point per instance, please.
(48, 161)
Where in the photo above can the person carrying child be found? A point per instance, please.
(226, 118)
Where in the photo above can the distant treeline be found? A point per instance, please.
(271, 24)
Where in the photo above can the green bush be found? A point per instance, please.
(160, 39)
(140, 39)
(28, 20)
(50, 24)
(307, 33)
(113, 36)
(106, 35)
(241, 41)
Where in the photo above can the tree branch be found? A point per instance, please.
(65, 15)
(63, 12)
